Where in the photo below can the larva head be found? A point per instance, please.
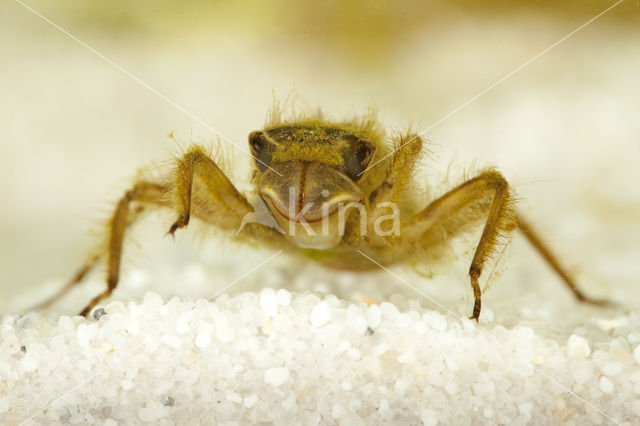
(305, 174)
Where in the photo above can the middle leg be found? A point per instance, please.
(492, 190)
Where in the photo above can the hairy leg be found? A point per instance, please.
(398, 174)
(490, 187)
(391, 190)
(88, 266)
(225, 206)
(548, 256)
(143, 192)
(218, 201)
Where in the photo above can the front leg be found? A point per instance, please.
(212, 194)
(491, 191)
(397, 175)
(392, 189)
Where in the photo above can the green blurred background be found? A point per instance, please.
(75, 128)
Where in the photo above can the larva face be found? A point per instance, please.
(306, 174)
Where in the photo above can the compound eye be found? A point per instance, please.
(364, 154)
(256, 141)
(356, 161)
(261, 149)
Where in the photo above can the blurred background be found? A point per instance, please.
(75, 126)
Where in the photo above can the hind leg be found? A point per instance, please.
(549, 257)
(89, 265)
(123, 217)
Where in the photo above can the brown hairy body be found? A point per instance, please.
(336, 193)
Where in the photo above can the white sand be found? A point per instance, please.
(276, 356)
